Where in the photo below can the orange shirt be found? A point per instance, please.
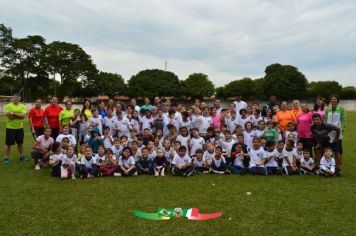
(283, 118)
(297, 112)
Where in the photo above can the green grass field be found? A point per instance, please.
(33, 203)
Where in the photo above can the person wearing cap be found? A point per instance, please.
(15, 112)
(239, 104)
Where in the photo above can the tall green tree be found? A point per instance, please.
(68, 60)
(21, 60)
(324, 89)
(153, 83)
(105, 83)
(285, 81)
(197, 85)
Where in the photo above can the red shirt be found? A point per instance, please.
(52, 115)
(36, 115)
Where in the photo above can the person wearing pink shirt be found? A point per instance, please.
(216, 117)
(304, 121)
(320, 107)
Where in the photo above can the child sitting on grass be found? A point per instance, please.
(327, 163)
(289, 160)
(218, 164)
(88, 168)
(55, 159)
(126, 164)
(200, 165)
(307, 163)
(109, 163)
(145, 163)
(68, 163)
(182, 163)
(257, 158)
(159, 163)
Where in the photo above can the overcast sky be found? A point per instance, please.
(225, 39)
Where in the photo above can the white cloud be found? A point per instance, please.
(225, 39)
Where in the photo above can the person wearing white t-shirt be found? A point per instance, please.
(196, 142)
(183, 137)
(232, 122)
(289, 161)
(307, 165)
(327, 163)
(206, 121)
(209, 154)
(237, 160)
(65, 134)
(227, 143)
(257, 158)
(182, 163)
(218, 163)
(123, 125)
(239, 104)
(272, 156)
(126, 163)
(111, 122)
(199, 163)
(96, 120)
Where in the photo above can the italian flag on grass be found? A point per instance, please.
(168, 213)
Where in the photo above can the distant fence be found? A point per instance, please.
(349, 105)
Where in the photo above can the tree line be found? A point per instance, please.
(39, 69)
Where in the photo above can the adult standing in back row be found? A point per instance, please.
(239, 104)
(51, 116)
(15, 112)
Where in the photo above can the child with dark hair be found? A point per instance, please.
(237, 160)
(218, 163)
(182, 163)
(88, 168)
(55, 159)
(145, 163)
(271, 158)
(257, 158)
(289, 160)
(200, 166)
(126, 163)
(307, 163)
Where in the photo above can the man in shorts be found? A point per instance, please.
(15, 112)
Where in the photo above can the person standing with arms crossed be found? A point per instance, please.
(51, 117)
(15, 112)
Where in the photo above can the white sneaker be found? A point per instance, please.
(73, 177)
(117, 174)
(156, 173)
(162, 172)
(135, 174)
(37, 167)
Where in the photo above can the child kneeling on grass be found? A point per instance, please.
(88, 168)
(218, 163)
(160, 162)
(307, 163)
(271, 158)
(257, 158)
(55, 159)
(109, 163)
(182, 163)
(237, 160)
(68, 163)
(126, 164)
(327, 163)
(289, 159)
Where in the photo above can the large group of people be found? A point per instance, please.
(110, 138)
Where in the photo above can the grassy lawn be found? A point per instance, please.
(33, 203)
